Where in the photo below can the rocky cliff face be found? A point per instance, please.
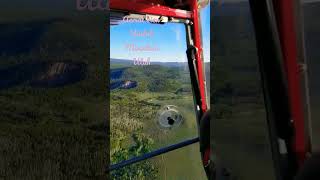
(60, 74)
(128, 84)
(42, 74)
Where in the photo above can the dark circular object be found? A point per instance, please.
(170, 121)
(169, 117)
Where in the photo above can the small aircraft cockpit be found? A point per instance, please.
(158, 89)
(264, 99)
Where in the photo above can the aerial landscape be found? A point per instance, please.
(151, 99)
(52, 92)
(55, 97)
(137, 95)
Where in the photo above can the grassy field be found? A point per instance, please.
(140, 106)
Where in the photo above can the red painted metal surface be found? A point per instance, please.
(198, 44)
(145, 7)
(286, 25)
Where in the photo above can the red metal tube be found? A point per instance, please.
(198, 45)
(286, 26)
(149, 8)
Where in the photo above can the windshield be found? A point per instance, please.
(240, 130)
(311, 28)
(151, 102)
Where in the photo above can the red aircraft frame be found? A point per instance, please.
(157, 7)
(288, 36)
(285, 17)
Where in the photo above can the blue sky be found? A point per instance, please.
(170, 38)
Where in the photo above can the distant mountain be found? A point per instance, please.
(163, 78)
(166, 64)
